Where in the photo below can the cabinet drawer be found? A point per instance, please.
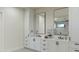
(26, 45)
(25, 41)
(43, 41)
(43, 46)
(44, 49)
(74, 45)
(74, 49)
(77, 47)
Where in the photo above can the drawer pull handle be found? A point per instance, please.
(57, 43)
(44, 44)
(76, 44)
(76, 50)
(44, 40)
(44, 49)
(34, 40)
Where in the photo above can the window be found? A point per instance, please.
(60, 26)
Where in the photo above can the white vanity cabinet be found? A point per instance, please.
(62, 46)
(51, 45)
(35, 43)
(57, 46)
(74, 46)
(32, 43)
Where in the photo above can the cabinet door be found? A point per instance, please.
(51, 45)
(32, 43)
(35, 43)
(62, 46)
(74, 46)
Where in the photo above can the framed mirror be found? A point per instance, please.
(41, 23)
(61, 22)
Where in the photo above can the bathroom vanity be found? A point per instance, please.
(44, 35)
(53, 44)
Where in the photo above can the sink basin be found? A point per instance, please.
(38, 36)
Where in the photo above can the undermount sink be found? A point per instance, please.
(38, 36)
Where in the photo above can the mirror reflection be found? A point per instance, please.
(41, 23)
(61, 22)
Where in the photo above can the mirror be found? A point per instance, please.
(61, 22)
(41, 23)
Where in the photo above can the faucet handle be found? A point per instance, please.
(69, 38)
(57, 43)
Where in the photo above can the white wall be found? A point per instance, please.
(74, 23)
(13, 28)
(26, 21)
(29, 21)
(49, 16)
(61, 13)
(1, 32)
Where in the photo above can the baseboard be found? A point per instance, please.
(12, 49)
